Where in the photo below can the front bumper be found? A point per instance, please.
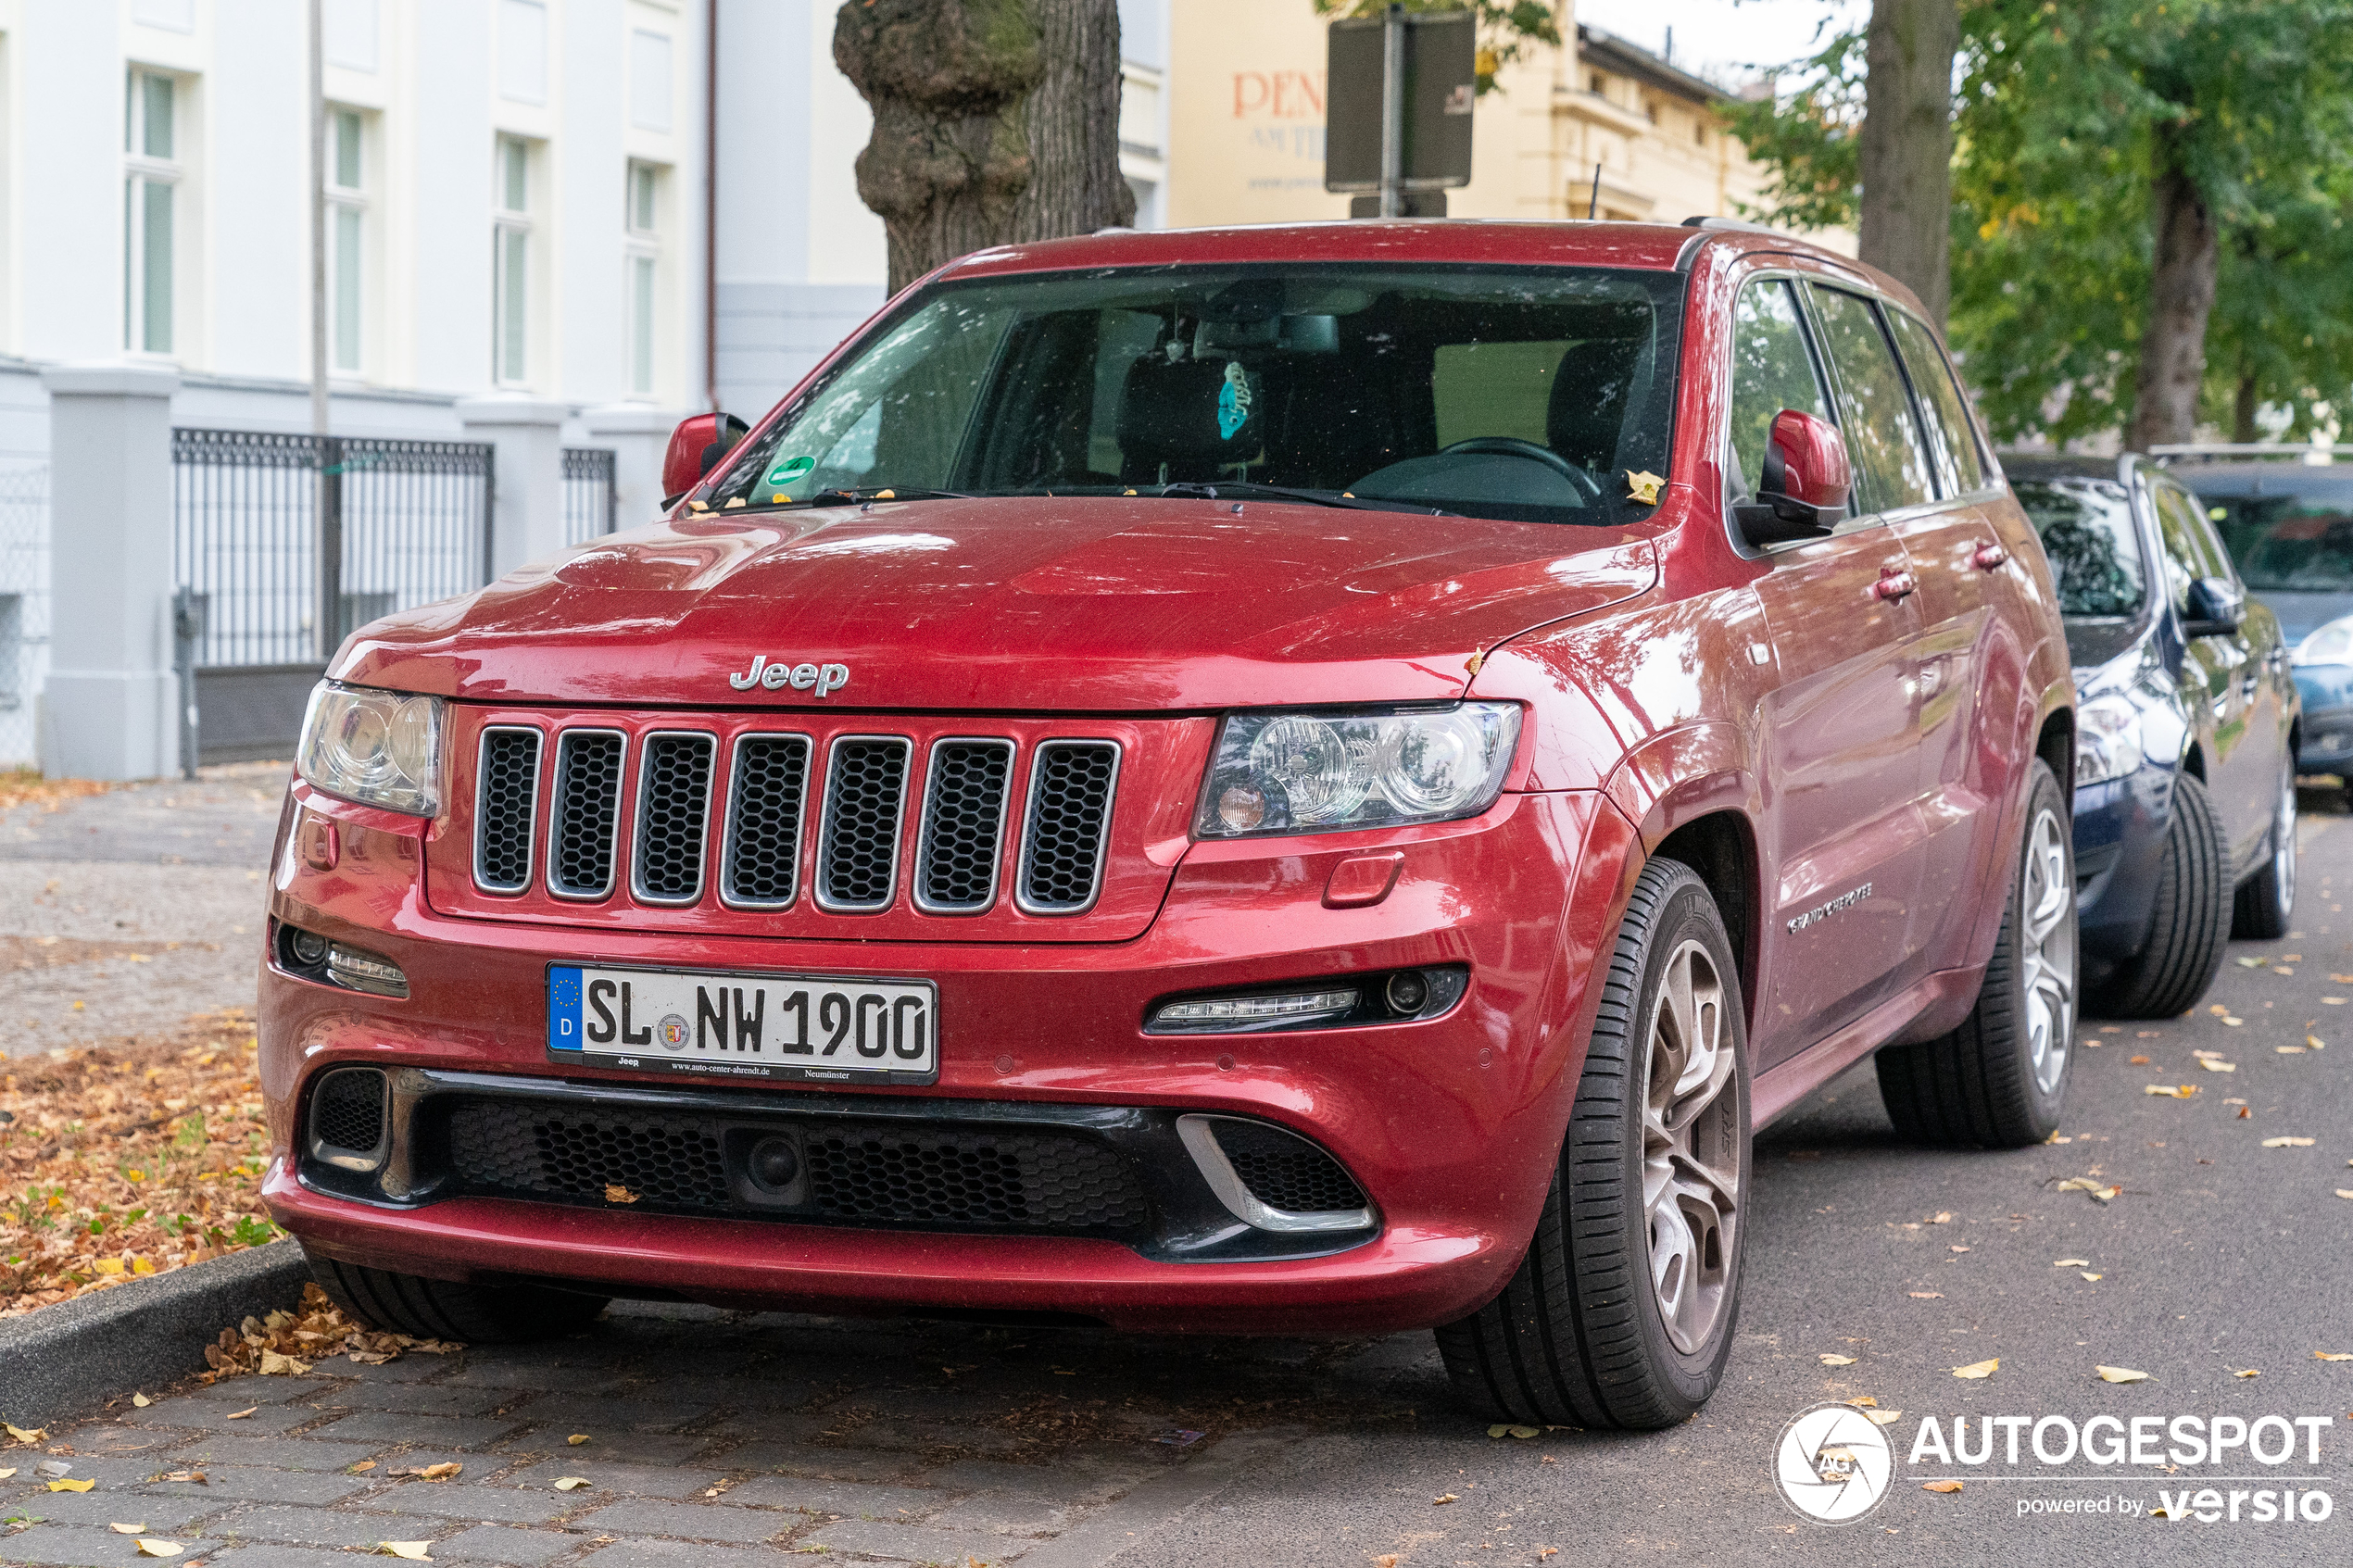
(1451, 1126)
(2119, 853)
(2324, 742)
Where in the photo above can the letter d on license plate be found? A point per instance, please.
(809, 1027)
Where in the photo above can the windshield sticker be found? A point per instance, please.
(790, 469)
(1233, 400)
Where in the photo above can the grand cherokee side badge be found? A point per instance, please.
(825, 679)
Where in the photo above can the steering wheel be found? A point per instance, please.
(1513, 447)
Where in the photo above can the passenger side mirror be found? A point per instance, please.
(695, 450)
(1802, 491)
(2217, 607)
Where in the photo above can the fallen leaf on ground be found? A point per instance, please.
(1881, 1418)
(572, 1483)
(1928, 1295)
(5, 1474)
(2138, 1061)
(2121, 1374)
(2172, 1091)
(240, 1415)
(1956, 1249)
(1837, 1361)
(141, 1401)
(2251, 1372)
(128, 1529)
(2345, 1192)
(413, 1550)
(362, 1468)
(2249, 963)
(150, 1547)
(72, 1486)
(1979, 1369)
(2333, 1355)
(2069, 1262)
(577, 1439)
(1940, 1486)
(2213, 1066)
(2289, 1050)
(1443, 1498)
(2315, 1041)
(1862, 1399)
(275, 1365)
(2233, 1023)
(2218, 1009)
(2287, 1143)
(2091, 1277)
(2244, 1115)
(1943, 1216)
(616, 1194)
(24, 1435)
(441, 1471)
(194, 1475)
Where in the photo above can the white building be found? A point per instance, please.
(519, 249)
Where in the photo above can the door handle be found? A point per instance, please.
(1988, 557)
(1894, 584)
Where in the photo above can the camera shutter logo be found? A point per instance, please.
(1832, 1464)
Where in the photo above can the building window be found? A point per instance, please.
(150, 193)
(511, 264)
(346, 243)
(1597, 84)
(643, 249)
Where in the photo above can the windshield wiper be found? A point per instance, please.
(1284, 493)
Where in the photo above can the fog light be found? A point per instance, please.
(308, 947)
(1406, 992)
(1224, 1010)
(365, 972)
(775, 1163)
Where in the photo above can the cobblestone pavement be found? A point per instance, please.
(122, 913)
(712, 1437)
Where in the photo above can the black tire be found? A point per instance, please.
(1980, 1084)
(2188, 920)
(1579, 1338)
(435, 1308)
(2261, 909)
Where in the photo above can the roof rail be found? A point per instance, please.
(2250, 449)
(1740, 225)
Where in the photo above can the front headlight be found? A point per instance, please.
(379, 748)
(2333, 644)
(1320, 772)
(2108, 739)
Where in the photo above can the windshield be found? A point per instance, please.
(1511, 392)
(2087, 530)
(2287, 544)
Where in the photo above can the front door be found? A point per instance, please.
(2244, 772)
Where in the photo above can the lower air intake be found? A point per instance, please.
(1285, 1172)
(348, 1111)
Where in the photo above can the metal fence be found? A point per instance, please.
(588, 492)
(270, 528)
(24, 608)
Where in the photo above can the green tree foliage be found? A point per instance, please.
(2069, 116)
(1507, 29)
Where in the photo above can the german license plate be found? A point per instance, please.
(794, 1026)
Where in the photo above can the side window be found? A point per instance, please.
(1875, 407)
(2190, 549)
(1951, 437)
(1771, 370)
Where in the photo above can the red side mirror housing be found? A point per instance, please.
(695, 450)
(1802, 491)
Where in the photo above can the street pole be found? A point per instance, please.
(1392, 112)
(326, 615)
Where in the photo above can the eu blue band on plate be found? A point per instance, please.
(563, 1010)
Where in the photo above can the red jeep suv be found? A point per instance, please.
(1287, 779)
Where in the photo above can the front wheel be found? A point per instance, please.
(1999, 1079)
(1621, 1314)
(2264, 901)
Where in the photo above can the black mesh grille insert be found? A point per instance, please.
(587, 808)
(1286, 1172)
(1013, 1181)
(551, 1151)
(348, 1110)
(506, 809)
(963, 825)
(858, 853)
(1069, 810)
(673, 805)
(763, 823)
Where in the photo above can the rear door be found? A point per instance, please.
(1836, 735)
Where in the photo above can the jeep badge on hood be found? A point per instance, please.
(826, 679)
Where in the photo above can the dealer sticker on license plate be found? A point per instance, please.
(798, 1026)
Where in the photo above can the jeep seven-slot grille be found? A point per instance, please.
(762, 791)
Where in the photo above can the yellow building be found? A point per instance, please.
(1597, 128)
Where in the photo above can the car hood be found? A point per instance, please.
(1114, 604)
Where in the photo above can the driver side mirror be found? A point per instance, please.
(695, 450)
(2217, 607)
(1802, 491)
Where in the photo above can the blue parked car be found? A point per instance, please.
(2186, 716)
(2289, 529)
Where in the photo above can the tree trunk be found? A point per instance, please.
(950, 158)
(1074, 186)
(2242, 406)
(2180, 297)
(1907, 149)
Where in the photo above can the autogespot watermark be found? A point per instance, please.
(1835, 1464)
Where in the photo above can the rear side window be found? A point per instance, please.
(2087, 532)
(1952, 440)
(1875, 407)
(1772, 369)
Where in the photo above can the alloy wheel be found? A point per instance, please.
(1692, 1144)
(2284, 844)
(2047, 909)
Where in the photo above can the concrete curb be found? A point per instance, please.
(61, 1362)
